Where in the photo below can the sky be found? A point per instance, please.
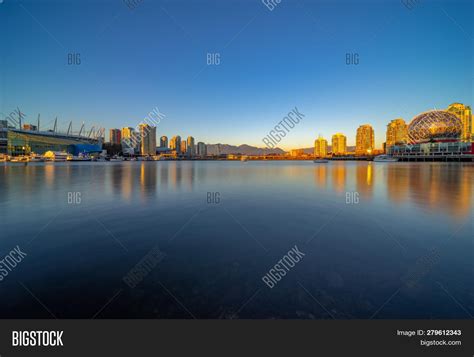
(154, 55)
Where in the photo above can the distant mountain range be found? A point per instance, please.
(217, 149)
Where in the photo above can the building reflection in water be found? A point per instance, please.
(164, 176)
(49, 174)
(148, 178)
(437, 187)
(364, 180)
(176, 174)
(321, 175)
(338, 173)
(128, 182)
(444, 188)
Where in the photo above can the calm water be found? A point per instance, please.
(403, 250)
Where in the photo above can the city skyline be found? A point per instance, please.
(401, 68)
(396, 132)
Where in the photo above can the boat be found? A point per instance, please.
(385, 158)
(56, 156)
(80, 157)
(36, 158)
(19, 159)
(320, 161)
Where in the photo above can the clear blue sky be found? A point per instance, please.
(271, 61)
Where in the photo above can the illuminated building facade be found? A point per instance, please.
(435, 126)
(115, 136)
(147, 139)
(127, 132)
(339, 144)
(175, 144)
(191, 149)
(365, 140)
(320, 147)
(397, 132)
(296, 152)
(434, 136)
(183, 148)
(464, 113)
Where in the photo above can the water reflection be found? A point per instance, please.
(364, 180)
(338, 174)
(439, 187)
(320, 176)
(145, 203)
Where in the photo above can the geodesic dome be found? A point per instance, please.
(436, 125)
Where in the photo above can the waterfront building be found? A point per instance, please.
(115, 136)
(3, 124)
(191, 149)
(397, 132)
(127, 132)
(3, 140)
(365, 140)
(434, 151)
(147, 139)
(201, 149)
(25, 142)
(175, 144)
(464, 113)
(130, 141)
(435, 125)
(339, 144)
(320, 147)
(296, 152)
(183, 148)
(164, 142)
(434, 135)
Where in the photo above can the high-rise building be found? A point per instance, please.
(464, 113)
(320, 147)
(191, 149)
(339, 144)
(365, 140)
(397, 132)
(130, 141)
(175, 143)
(184, 149)
(148, 139)
(201, 149)
(127, 132)
(164, 142)
(115, 136)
